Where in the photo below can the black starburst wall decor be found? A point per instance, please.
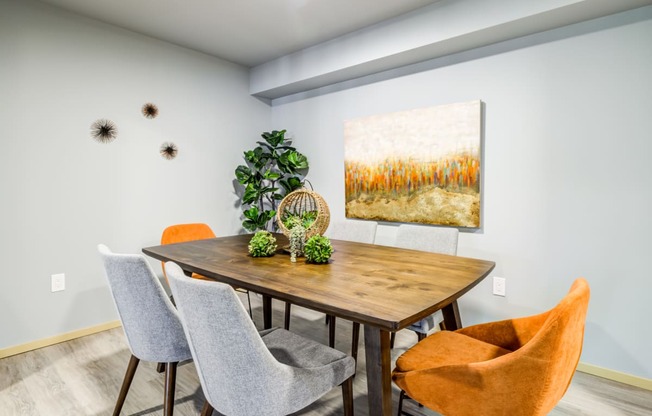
(150, 110)
(169, 150)
(104, 131)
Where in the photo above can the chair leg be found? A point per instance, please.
(400, 404)
(251, 314)
(331, 332)
(392, 338)
(347, 396)
(160, 368)
(170, 384)
(442, 326)
(421, 336)
(327, 319)
(355, 339)
(207, 410)
(126, 383)
(286, 323)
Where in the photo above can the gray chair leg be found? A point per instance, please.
(170, 384)
(126, 383)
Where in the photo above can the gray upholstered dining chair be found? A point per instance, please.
(150, 321)
(244, 372)
(359, 232)
(432, 239)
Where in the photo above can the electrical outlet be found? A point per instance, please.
(499, 286)
(58, 282)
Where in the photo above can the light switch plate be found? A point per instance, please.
(499, 286)
(58, 282)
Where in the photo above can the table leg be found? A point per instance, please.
(379, 374)
(452, 320)
(267, 312)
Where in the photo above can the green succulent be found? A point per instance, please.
(305, 219)
(318, 249)
(262, 244)
(297, 241)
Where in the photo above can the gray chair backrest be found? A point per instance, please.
(358, 231)
(432, 239)
(235, 368)
(150, 321)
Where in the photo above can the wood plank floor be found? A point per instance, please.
(83, 376)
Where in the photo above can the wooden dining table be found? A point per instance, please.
(383, 288)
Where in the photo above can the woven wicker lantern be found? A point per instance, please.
(303, 203)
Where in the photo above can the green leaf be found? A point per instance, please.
(275, 137)
(249, 225)
(297, 160)
(243, 174)
(251, 194)
(251, 213)
(271, 176)
(290, 184)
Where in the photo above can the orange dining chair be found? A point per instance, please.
(516, 367)
(181, 233)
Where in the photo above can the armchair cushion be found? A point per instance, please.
(452, 348)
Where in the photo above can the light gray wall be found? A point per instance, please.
(567, 172)
(62, 193)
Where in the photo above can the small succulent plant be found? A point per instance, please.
(306, 219)
(262, 244)
(297, 241)
(318, 249)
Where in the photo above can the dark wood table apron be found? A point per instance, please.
(383, 288)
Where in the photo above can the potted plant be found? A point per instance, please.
(262, 244)
(274, 169)
(297, 240)
(318, 249)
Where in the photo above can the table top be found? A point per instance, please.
(383, 286)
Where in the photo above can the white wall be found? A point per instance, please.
(567, 172)
(62, 193)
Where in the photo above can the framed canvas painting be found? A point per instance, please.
(418, 166)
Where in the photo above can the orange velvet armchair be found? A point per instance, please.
(181, 233)
(514, 367)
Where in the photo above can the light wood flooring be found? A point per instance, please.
(83, 376)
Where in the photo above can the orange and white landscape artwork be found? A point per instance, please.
(420, 166)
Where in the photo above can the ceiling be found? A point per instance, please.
(247, 32)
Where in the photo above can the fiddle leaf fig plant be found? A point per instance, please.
(318, 249)
(262, 244)
(273, 169)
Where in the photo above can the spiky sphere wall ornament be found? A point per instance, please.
(150, 110)
(169, 150)
(104, 131)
